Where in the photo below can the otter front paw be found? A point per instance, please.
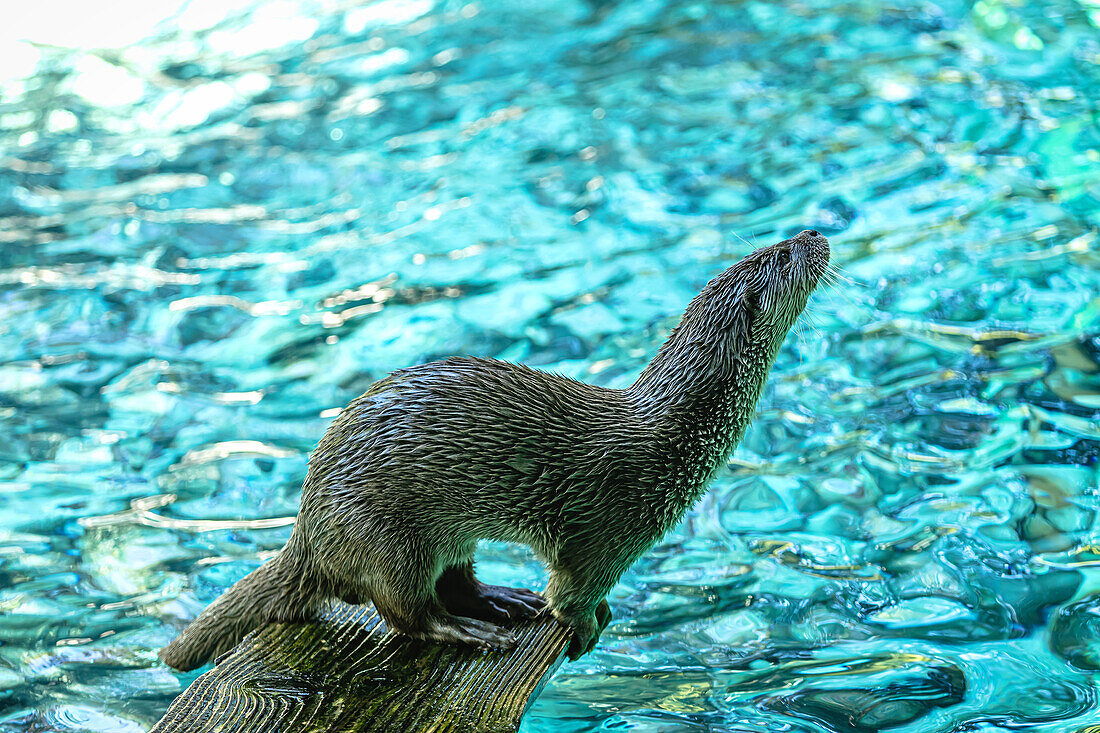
(586, 628)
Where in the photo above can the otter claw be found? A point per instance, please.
(517, 602)
(462, 630)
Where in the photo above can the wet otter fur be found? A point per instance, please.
(433, 458)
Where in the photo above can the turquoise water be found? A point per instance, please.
(212, 240)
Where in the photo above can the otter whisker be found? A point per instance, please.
(828, 284)
(809, 319)
(754, 247)
(833, 285)
(836, 277)
(805, 331)
(819, 308)
(803, 343)
(834, 269)
(812, 324)
(835, 288)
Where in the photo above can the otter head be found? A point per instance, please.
(771, 285)
(731, 332)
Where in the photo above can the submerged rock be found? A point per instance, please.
(867, 694)
(1075, 633)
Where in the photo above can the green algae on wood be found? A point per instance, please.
(345, 672)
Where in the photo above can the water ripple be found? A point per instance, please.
(212, 240)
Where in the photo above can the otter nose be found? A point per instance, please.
(811, 243)
(811, 238)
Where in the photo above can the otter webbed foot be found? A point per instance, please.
(494, 603)
(463, 630)
(586, 628)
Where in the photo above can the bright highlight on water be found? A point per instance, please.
(213, 239)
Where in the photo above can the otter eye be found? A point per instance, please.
(783, 257)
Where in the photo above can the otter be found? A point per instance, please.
(432, 458)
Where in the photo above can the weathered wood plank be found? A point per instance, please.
(346, 673)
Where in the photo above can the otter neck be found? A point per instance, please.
(703, 385)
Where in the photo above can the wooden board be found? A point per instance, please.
(346, 673)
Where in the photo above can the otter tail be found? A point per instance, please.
(282, 589)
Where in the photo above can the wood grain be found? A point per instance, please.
(346, 672)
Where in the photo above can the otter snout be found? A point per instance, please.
(811, 246)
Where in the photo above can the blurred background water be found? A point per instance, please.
(212, 239)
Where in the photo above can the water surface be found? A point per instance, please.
(212, 240)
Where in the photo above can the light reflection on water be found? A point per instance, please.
(211, 241)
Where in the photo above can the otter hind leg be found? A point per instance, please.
(430, 620)
(405, 596)
(354, 595)
(462, 594)
(465, 630)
